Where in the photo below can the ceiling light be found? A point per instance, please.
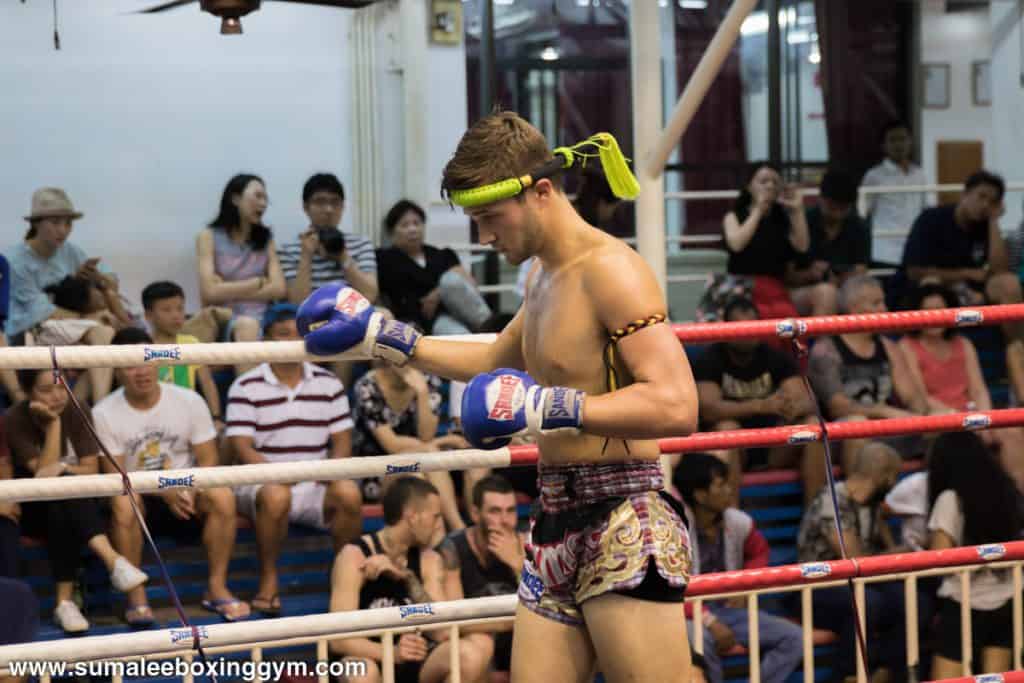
(814, 57)
(549, 54)
(693, 4)
(798, 37)
(755, 23)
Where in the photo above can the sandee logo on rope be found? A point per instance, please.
(172, 482)
(790, 328)
(977, 421)
(992, 551)
(413, 611)
(180, 634)
(815, 570)
(965, 318)
(149, 354)
(402, 469)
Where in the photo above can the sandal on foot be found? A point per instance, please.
(269, 606)
(224, 607)
(139, 616)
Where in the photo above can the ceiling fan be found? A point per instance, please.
(232, 11)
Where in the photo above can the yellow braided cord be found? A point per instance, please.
(637, 325)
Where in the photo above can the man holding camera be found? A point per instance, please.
(324, 253)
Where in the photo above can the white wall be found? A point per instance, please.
(1007, 103)
(957, 39)
(143, 118)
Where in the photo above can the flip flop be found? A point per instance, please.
(139, 616)
(269, 606)
(222, 607)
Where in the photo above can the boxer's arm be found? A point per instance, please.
(463, 361)
(662, 401)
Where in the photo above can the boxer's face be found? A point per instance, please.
(511, 226)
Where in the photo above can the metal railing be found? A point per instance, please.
(805, 578)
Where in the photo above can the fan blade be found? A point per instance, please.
(173, 4)
(341, 4)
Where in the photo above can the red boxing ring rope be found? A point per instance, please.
(878, 565)
(1006, 677)
(800, 434)
(898, 321)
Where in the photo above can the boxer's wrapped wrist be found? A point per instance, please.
(552, 410)
(393, 340)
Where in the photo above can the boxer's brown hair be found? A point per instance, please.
(500, 146)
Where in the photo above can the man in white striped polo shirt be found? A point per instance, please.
(324, 253)
(286, 412)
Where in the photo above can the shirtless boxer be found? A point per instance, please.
(588, 367)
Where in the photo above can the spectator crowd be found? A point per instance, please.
(447, 537)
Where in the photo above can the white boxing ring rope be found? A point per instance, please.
(107, 485)
(308, 626)
(332, 625)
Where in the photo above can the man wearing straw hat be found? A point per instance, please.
(587, 366)
(46, 258)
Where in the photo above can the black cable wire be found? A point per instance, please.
(800, 352)
(197, 632)
(56, 33)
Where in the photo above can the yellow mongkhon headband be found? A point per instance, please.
(621, 180)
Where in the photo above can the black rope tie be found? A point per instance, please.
(800, 353)
(197, 633)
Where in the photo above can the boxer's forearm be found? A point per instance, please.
(641, 411)
(461, 361)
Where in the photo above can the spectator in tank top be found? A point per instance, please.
(944, 360)
(946, 364)
(486, 558)
(864, 375)
(238, 264)
(395, 566)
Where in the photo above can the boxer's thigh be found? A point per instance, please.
(546, 650)
(638, 640)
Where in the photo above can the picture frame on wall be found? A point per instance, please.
(935, 86)
(981, 83)
(446, 22)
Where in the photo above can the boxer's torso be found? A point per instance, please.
(563, 345)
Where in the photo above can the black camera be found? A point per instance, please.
(332, 240)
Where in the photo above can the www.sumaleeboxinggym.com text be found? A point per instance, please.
(223, 669)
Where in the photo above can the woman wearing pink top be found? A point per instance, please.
(944, 360)
(947, 363)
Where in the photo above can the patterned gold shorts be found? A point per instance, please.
(635, 544)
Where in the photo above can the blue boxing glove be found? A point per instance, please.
(500, 405)
(336, 318)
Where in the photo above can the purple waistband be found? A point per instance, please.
(564, 487)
